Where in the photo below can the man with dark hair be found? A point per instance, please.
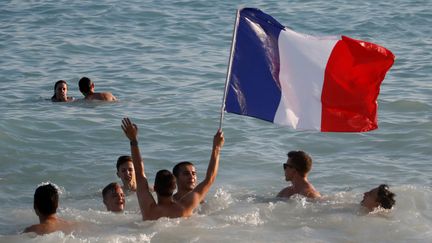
(45, 204)
(86, 87)
(380, 196)
(296, 170)
(126, 172)
(113, 197)
(165, 182)
(186, 178)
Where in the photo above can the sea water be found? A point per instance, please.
(166, 61)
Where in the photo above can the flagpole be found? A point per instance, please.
(234, 35)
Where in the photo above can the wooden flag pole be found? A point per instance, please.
(234, 35)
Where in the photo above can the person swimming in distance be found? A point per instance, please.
(60, 92)
(296, 170)
(126, 172)
(377, 197)
(45, 204)
(86, 87)
(165, 181)
(113, 197)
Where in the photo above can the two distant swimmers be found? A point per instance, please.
(86, 87)
(297, 168)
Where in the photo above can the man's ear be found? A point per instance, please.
(36, 210)
(117, 173)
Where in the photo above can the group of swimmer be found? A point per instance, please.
(86, 87)
(178, 193)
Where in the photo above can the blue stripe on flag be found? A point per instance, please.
(253, 88)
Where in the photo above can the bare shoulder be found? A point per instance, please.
(311, 192)
(39, 229)
(173, 210)
(190, 201)
(46, 228)
(286, 192)
(103, 96)
(66, 225)
(108, 96)
(32, 228)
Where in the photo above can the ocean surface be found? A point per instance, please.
(166, 61)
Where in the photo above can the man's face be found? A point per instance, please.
(370, 199)
(289, 170)
(115, 200)
(126, 172)
(187, 178)
(61, 91)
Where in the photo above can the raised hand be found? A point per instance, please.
(218, 139)
(130, 129)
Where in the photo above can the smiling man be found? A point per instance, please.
(126, 172)
(165, 182)
(186, 178)
(296, 170)
(113, 197)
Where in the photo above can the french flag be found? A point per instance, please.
(329, 84)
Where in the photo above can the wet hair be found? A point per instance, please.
(84, 85)
(46, 199)
(301, 161)
(123, 159)
(178, 166)
(165, 183)
(54, 98)
(109, 188)
(385, 197)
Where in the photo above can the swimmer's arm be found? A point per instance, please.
(145, 198)
(200, 191)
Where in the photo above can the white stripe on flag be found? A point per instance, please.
(303, 59)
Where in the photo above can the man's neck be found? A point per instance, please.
(44, 218)
(90, 93)
(300, 182)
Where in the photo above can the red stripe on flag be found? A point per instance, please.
(352, 80)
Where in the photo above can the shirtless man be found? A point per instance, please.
(296, 170)
(113, 197)
(86, 86)
(165, 182)
(378, 197)
(45, 204)
(126, 172)
(186, 179)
